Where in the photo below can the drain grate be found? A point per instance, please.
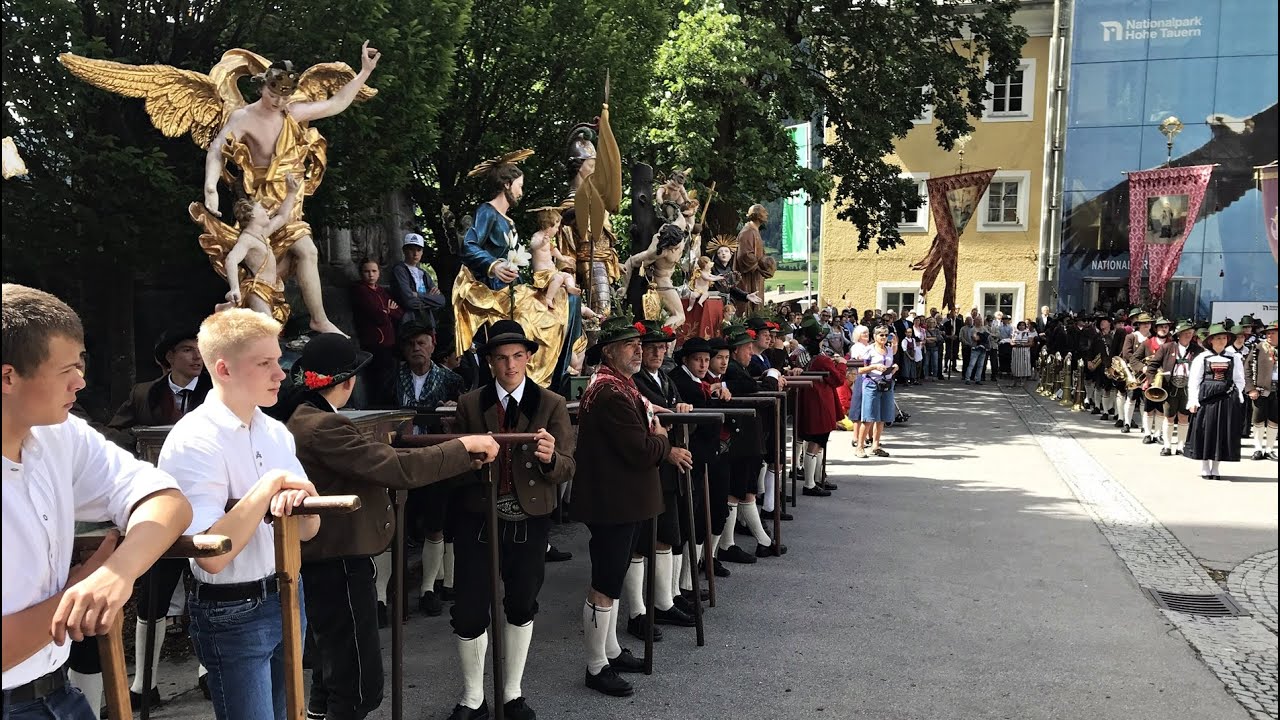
(1216, 605)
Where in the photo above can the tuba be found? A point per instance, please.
(1155, 392)
(1078, 403)
(1043, 373)
(1122, 375)
(1068, 390)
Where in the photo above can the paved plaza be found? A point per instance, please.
(992, 567)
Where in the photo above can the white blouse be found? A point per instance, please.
(1197, 376)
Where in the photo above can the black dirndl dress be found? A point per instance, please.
(1215, 428)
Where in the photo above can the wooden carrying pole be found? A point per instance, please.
(495, 567)
(288, 569)
(115, 676)
(683, 421)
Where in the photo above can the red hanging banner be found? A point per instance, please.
(954, 199)
(1267, 184)
(1163, 205)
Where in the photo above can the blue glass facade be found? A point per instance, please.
(1211, 63)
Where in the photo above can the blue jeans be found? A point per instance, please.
(908, 369)
(241, 644)
(933, 362)
(65, 704)
(977, 359)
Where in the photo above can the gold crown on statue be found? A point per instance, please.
(719, 241)
(515, 157)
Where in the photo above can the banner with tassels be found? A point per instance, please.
(954, 199)
(1163, 204)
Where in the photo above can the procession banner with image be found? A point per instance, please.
(954, 199)
(1163, 205)
(1266, 176)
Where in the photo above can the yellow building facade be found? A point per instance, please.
(998, 256)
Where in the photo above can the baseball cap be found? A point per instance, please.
(414, 239)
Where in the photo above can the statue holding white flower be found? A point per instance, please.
(490, 285)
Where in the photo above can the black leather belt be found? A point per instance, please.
(235, 592)
(42, 686)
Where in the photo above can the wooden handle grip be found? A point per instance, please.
(186, 546)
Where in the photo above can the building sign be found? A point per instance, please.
(1131, 30)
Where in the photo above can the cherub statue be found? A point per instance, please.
(661, 259)
(673, 190)
(547, 260)
(700, 281)
(268, 140)
(261, 288)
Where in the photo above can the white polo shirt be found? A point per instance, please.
(69, 472)
(215, 458)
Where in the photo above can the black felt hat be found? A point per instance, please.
(692, 346)
(170, 338)
(506, 332)
(328, 359)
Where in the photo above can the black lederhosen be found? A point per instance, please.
(522, 553)
(669, 519)
(165, 575)
(610, 550)
(347, 680)
(1176, 403)
(717, 494)
(818, 438)
(1266, 409)
(744, 476)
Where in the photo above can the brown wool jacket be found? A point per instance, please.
(535, 484)
(617, 476)
(341, 460)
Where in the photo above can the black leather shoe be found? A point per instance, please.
(626, 662)
(1096, 411)
(673, 616)
(608, 682)
(736, 554)
(1127, 427)
(429, 604)
(1259, 455)
(462, 712)
(446, 593)
(135, 700)
(518, 709)
(555, 555)
(763, 551)
(685, 601)
(1148, 440)
(1119, 422)
(636, 627)
(1165, 452)
(718, 569)
(815, 492)
(828, 485)
(203, 682)
(384, 617)
(785, 516)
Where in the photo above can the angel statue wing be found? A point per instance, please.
(178, 101)
(323, 80)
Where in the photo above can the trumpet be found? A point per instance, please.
(1155, 392)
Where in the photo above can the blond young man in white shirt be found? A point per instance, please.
(57, 471)
(228, 449)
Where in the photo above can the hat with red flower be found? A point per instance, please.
(655, 332)
(328, 359)
(618, 328)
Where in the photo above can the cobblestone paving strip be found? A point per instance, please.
(1253, 584)
(1241, 651)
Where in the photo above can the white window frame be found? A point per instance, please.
(884, 288)
(1019, 290)
(926, 113)
(1023, 178)
(917, 228)
(1028, 112)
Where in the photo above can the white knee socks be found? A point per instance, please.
(1168, 436)
(810, 470)
(516, 639)
(1206, 467)
(140, 649)
(819, 474)
(471, 654)
(633, 588)
(448, 565)
(662, 562)
(751, 515)
(686, 582)
(611, 647)
(726, 537)
(770, 490)
(90, 685)
(382, 574)
(677, 565)
(1146, 425)
(1128, 411)
(1259, 437)
(595, 634)
(432, 560)
(760, 478)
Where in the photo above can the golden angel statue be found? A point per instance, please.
(267, 141)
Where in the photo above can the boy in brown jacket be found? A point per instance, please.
(337, 564)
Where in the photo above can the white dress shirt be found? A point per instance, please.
(177, 389)
(518, 394)
(215, 457)
(69, 472)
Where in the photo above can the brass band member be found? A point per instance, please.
(616, 488)
(528, 479)
(1173, 359)
(1133, 342)
(1260, 386)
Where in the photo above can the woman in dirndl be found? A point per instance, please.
(1215, 397)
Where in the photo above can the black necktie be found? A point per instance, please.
(184, 395)
(510, 413)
